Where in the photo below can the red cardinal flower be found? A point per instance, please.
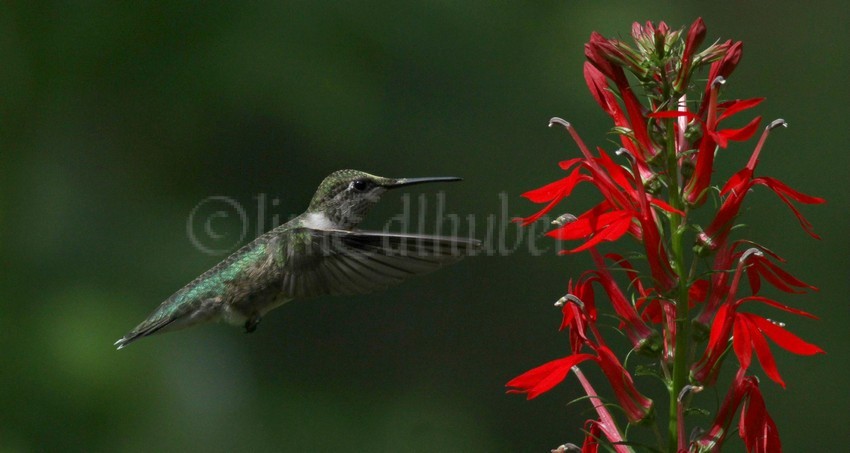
(541, 379)
(756, 427)
(627, 208)
(736, 189)
(678, 265)
(713, 137)
(748, 333)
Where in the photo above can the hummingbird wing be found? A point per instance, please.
(343, 262)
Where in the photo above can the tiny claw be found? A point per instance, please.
(252, 323)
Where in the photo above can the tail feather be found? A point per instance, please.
(143, 330)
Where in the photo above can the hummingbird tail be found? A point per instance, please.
(143, 330)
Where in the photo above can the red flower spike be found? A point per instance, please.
(638, 199)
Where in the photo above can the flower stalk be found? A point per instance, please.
(685, 311)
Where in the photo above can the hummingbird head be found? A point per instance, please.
(345, 196)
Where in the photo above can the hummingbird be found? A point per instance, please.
(319, 252)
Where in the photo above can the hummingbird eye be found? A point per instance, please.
(359, 185)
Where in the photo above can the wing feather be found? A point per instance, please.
(357, 262)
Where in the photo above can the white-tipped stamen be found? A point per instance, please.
(748, 253)
(718, 81)
(777, 123)
(686, 390)
(570, 298)
(628, 154)
(564, 219)
(555, 120)
(566, 448)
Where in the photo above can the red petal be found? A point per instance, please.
(590, 222)
(783, 338)
(618, 174)
(554, 190)
(567, 164)
(780, 187)
(543, 378)
(768, 363)
(775, 304)
(739, 182)
(732, 107)
(674, 114)
(742, 342)
(635, 405)
(598, 86)
(756, 427)
(663, 205)
(615, 230)
(738, 135)
(784, 192)
(718, 337)
(591, 439)
(698, 291)
(774, 274)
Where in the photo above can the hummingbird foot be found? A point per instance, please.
(252, 323)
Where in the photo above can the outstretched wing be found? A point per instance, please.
(358, 262)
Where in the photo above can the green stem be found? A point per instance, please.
(677, 246)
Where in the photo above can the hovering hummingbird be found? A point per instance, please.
(319, 252)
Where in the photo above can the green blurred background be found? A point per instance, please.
(116, 120)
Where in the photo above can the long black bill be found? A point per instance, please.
(411, 181)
